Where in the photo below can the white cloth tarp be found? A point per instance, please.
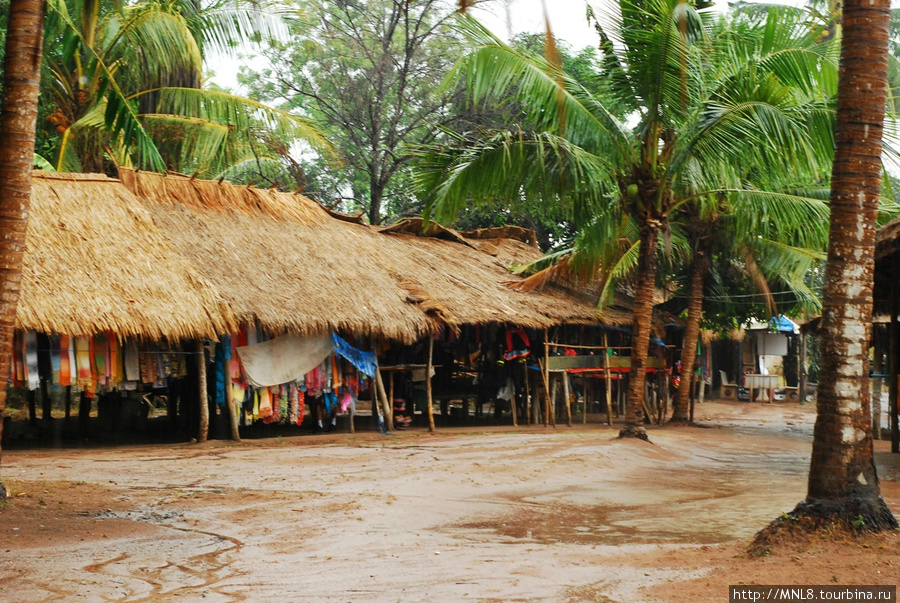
(774, 344)
(283, 359)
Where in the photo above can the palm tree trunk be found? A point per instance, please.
(640, 332)
(691, 337)
(843, 484)
(21, 83)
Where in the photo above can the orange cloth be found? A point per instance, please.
(65, 370)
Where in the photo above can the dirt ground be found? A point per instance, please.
(487, 514)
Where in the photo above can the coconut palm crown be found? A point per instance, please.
(708, 103)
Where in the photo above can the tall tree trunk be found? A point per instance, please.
(18, 119)
(843, 484)
(640, 332)
(691, 337)
(376, 194)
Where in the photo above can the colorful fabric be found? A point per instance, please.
(32, 374)
(65, 360)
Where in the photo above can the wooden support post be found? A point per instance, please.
(391, 394)
(546, 374)
(585, 400)
(804, 376)
(566, 394)
(46, 405)
(428, 384)
(511, 386)
(607, 378)
(895, 359)
(32, 407)
(527, 396)
(84, 414)
(554, 386)
(68, 402)
(203, 432)
(353, 418)
(233, 413)
(385, 405)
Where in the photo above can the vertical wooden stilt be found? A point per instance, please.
(68, 402)
(895, 360)
(546, 373)
(511, 386)
(203, 432)
(233, 412)
(46, 408)
(32, 407)
(566, 394)
(84, 414)
(804, 376)
(391, 392)
(385, 405)
(607, 378)
(527, 396)
(585, 401)
(428, 384)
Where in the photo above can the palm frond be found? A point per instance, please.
(241, 114)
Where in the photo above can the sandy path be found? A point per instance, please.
(488, 515)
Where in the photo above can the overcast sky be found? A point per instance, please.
(505, 17)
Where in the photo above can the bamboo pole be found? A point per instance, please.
(379, 384)
(68, 402)
(546, 374)
(233, 414)
(203, 432)
(567, 392)
(607, 377)
(895, 361)
(527, 397)
(584, 402)
(804, 374)
(428, 384)
(511, 387)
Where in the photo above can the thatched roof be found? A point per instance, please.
(285, 261)
(95, 261)
(281, 259)
(171, 256)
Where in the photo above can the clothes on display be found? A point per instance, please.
(95, 364)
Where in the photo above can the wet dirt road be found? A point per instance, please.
(497, 514)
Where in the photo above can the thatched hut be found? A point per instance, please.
(886, 296)
(172, 257)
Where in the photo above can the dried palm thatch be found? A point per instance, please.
(471, 284)
(280, 259)
(95, 262)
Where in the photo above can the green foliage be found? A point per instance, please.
(696, 127)
(121, 86)
(368, 72)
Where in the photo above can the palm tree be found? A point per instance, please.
(843, 484)
(772, 237)
(123, 86)
(705, 110)
(21, 85)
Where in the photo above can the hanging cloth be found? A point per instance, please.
(283, 359)
(83, 361)
(32, 375)
(364, 362)
(265, 403)
(131, 361)
(55, 358)
(100, 352)
(17, 372)
(65, 365)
